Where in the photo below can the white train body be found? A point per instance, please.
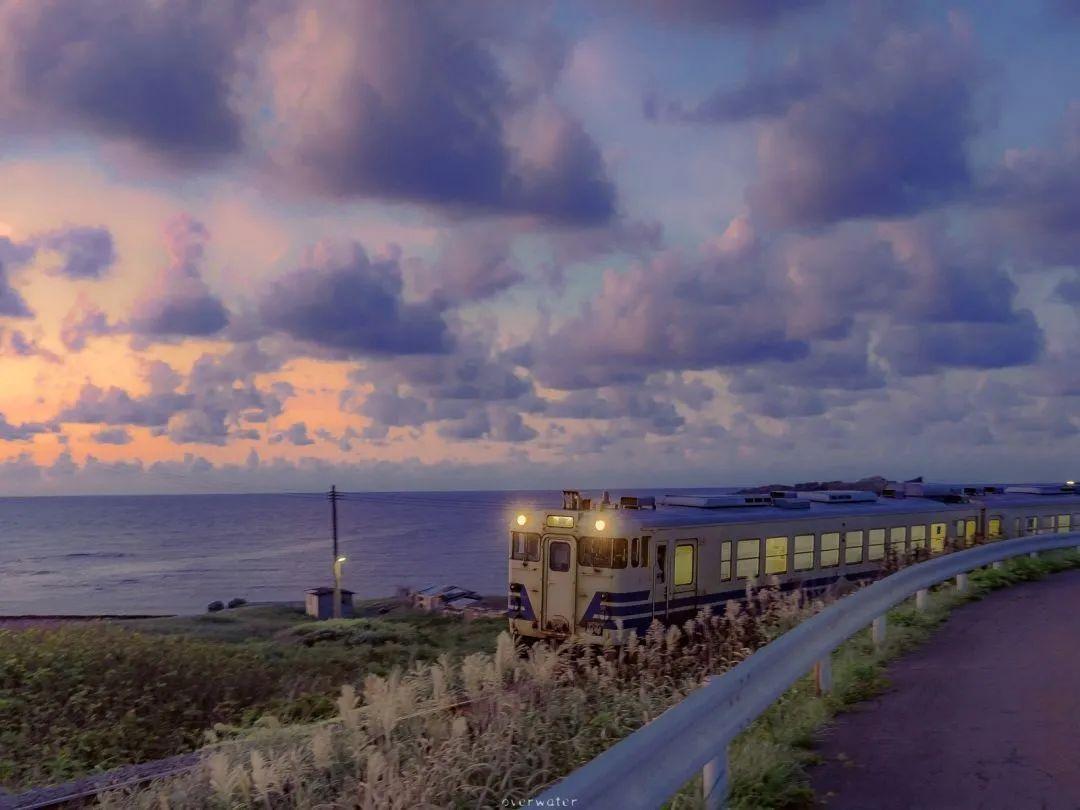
(596, 571)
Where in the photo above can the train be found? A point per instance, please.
(597, 569)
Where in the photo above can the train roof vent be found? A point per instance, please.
(1037, 489)
(839, 496)
(637, 502)
(716, 501)
(792, 503)
(783, 493)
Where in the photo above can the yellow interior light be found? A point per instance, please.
(522, 520)
(342, 559)
(600, 525)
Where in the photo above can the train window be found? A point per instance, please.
(804, 552)
(918, 537)
(853, 547)
(661, 562)
(559, 556)
(725, 561)
(618, 552)
(993, 527)
(937, 538)
(970, 527)
(684, 564)
(1031, 525)
(875, 548)
(595, 552)
(776, 549)
(959, 529)
(634, 553)
(1046, 523)
(644, 552)
(898, 540)
(748, 562)
(1064, 523)
(524, 546)
(830, 549)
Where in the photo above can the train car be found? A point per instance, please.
(596, 571)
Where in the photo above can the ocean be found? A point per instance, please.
(176, 553)
(153, 554)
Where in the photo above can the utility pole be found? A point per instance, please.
(337, 557)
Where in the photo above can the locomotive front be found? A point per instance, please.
(566, 570)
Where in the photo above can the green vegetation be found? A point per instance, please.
(413, 727)
(83, 697)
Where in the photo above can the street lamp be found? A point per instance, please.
(337, 586)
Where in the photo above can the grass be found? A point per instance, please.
(409, 729)
(85, 697)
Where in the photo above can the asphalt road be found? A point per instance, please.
(984, 716)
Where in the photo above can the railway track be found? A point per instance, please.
(81, 792)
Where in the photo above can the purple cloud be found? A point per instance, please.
(885, 133)
(402, 103)
(112, 436)
(20, 433)
(296, 434)
(1036, 197)
(13, 254)
(342, 301)
(158, 74)
(87, 252)
(752, 13)
(179, 303)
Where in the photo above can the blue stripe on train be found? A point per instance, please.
(638, 616)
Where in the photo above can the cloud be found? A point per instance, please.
(495, 423)
(115, 406)
(1035, 199)
(179, 303)
(875, 125)
(752, 13)
(930, 347)
(112, 436)
(670, 314)
(22, 432)
(342, 301)
(88, 252)
(157, 74)
(83, 321)
(473, 264)
(391, 101)
(296, 434)
(12, 255)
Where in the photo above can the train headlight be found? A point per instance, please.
(522, 520)
(600, 525)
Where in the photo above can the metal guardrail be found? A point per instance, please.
(652, 764)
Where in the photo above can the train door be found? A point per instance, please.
(970, 527)
(560, 586)
(661, 575)
(937, 538)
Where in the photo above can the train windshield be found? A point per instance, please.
(602, 552)
(525, 546)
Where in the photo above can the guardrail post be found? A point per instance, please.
(999, 565)
(877, 631)
(962, 583)
(714, 781)
(823, 675)
(1034, 555)
(922, 597)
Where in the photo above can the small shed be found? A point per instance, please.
(320, 603)
(436, 598)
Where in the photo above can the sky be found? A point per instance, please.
(256, 245)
